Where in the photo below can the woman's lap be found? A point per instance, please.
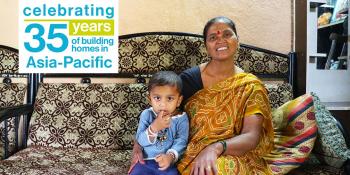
(242, 165)
(228, 165)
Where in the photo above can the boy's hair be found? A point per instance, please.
(165, 78)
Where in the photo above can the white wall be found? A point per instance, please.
(8, 23)
(262, 23)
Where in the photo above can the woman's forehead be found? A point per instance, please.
(219, 26)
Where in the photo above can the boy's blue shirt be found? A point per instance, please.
(177, 135)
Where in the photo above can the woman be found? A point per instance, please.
(230, 116)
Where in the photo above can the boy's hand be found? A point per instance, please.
(164, 161)
(161, 122)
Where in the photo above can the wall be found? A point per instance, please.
(263, 23)
(9, 24)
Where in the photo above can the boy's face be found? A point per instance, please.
(165, 98)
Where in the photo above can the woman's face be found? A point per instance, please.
(221, 41)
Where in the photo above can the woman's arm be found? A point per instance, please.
(247, 140)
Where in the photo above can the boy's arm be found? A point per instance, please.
(181, 138)
(143, 137)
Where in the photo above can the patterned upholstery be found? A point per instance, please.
(8, 60)
(258, 62)
(87, 116)
(11, 95)
(150, 53)
(90, 126)
(47, 160)
(279, 93)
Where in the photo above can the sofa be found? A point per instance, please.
(85, 123)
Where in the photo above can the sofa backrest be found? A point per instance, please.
(96, 115)
(147, 53)
(143, 54)
(8, 60)
(86, 115)
(279, 93)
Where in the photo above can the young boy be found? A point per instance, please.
(163, 130)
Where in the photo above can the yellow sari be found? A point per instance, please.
(217, 113)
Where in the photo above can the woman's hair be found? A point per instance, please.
(165, 78)
(218, 19)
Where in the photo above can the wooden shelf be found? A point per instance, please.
(318, 55)
(331, 24)
(327, 6)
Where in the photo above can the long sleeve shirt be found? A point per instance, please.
(176, 135)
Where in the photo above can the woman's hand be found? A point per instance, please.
(137, 156)
(205, 162)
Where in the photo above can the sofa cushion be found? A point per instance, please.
(87, 115)
(12, 94)
(295, 133)
(151, 53)
(330, 147)
(279, 93)
(49, 160)
(258, 62)
(8, 60)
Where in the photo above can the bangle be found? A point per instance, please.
(172, 155)
(152, 133)
(224, 146)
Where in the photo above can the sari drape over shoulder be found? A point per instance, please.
(217, 113)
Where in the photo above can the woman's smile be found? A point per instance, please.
(221, 48)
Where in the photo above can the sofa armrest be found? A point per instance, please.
(15, 112)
